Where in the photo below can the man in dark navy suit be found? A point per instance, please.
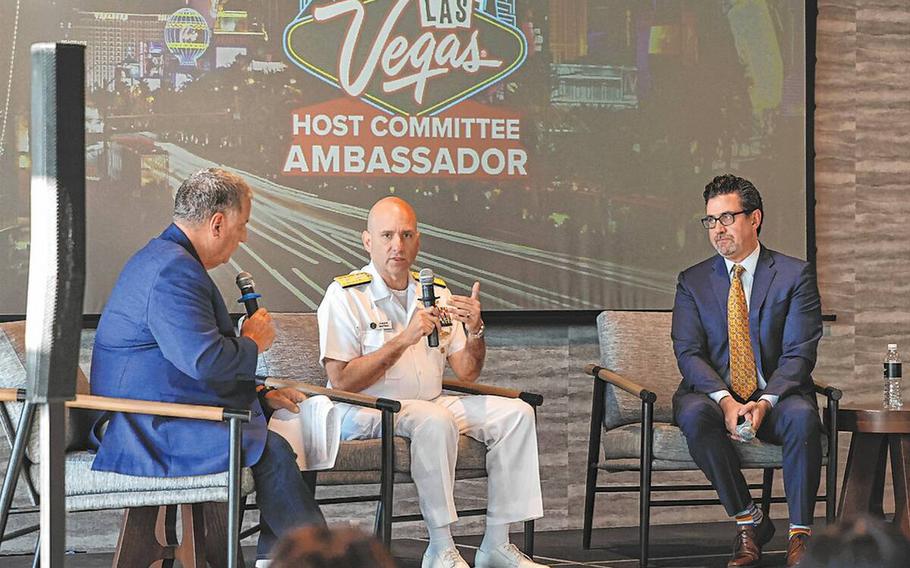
(166, 335)
(746, 325)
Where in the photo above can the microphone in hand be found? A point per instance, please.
(428, 293)
(249, 297)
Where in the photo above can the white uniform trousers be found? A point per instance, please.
(506, 426)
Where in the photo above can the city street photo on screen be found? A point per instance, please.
(554, 150)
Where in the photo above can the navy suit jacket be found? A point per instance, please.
(785, 324)
(166, 335)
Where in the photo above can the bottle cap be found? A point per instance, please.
(892, 346)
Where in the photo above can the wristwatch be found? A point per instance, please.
(479, 333)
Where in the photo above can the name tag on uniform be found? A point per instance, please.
(383, 325)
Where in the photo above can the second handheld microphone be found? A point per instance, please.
(249, 298)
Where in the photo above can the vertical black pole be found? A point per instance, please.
(597, 418)
(234, 494)
(388, 476)
(647, 441)
(831, 470)
(767, 489)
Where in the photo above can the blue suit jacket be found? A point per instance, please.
(784, 324)
(166, 335)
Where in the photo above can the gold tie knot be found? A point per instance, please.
(738, 270)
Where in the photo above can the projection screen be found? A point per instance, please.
(554, 150)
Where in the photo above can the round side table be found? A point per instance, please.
(875, 432)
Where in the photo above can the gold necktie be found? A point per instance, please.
(742, 360)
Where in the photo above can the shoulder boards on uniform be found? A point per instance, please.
(437, 281)
(354, 279)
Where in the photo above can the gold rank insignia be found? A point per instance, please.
(437, 281)
(354, 279)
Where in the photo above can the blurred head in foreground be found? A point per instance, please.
(322, 547)
(859, 543)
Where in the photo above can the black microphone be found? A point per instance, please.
(249, 297)
(429, 300)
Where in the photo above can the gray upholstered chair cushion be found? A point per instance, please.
(295, 352)
(88, 490)
(670, 445)
(637, 345)
(13, 375)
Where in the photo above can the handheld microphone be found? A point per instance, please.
(249, 297)
(429, 300)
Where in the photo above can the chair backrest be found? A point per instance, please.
(13, 375)
(637, 345)
(295, 352)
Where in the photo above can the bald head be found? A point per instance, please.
(392, 240)
(390, 206)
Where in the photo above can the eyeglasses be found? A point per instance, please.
(726, 218)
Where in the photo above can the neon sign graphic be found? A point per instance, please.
(410, 57)
(187, 35)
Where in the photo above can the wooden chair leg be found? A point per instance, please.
(191, 552)
(138, 546)
(166, 533)
(216, 534)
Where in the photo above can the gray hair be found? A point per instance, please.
(207, 192)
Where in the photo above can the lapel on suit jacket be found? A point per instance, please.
(720, 283)
(761, 283)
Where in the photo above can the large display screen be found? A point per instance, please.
(554, 150)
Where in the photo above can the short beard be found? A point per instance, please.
(725, 248)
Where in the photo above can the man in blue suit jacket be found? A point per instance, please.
(775, 348)
(166, 335)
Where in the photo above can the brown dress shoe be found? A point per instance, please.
(796, 548)
(748, 542)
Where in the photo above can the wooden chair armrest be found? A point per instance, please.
(137, 406)
(620, 382)
(355, 398)
(827, 390)
(11, 395)
(170, 409)
(531, 398)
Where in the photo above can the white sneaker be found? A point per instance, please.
(263, 563)
(504, 556)
(448, 558)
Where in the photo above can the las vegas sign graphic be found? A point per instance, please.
(410, 57)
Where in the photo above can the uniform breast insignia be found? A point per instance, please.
(437, 281)
(354, 279)
(445, 320)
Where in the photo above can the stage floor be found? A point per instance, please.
(678, 546)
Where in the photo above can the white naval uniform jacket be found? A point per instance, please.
(359, 319)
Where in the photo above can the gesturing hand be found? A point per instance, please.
(467, 309)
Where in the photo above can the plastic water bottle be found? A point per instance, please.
(892, 368)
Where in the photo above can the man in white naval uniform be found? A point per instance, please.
(372, 338)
